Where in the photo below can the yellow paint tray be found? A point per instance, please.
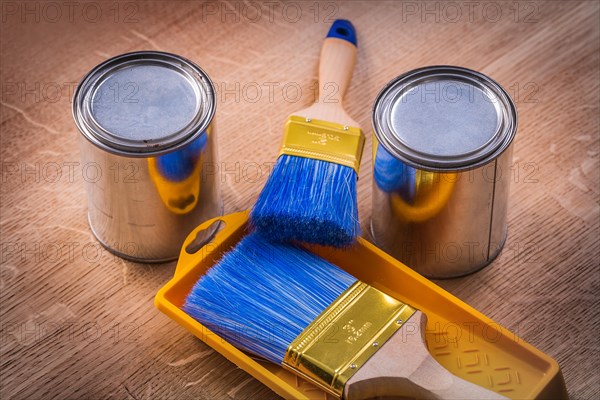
(462, 339)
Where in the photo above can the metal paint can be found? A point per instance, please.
(442, 168)
(148, 149)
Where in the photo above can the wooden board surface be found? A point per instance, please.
(80, 323)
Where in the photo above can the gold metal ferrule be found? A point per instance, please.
(322, 140)
(340, 340)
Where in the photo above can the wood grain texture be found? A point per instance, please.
(77, 322)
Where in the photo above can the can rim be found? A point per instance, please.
(105, 140)
(489, 151)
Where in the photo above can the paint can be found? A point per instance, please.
(148, 149)
(442, 169)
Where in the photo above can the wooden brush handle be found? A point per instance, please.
(403, 368)
(338, 56)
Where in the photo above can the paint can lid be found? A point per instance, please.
(444, 118)
(144, 103)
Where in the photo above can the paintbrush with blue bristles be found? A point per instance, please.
(310, 195)
(295, 309)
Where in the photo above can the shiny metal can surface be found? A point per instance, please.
(442, 168)
(148, 149)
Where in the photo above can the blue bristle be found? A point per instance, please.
(261, 295)
(310, 201)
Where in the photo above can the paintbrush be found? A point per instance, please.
(293, 308)
(310, 195)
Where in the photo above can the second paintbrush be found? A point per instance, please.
(295, 309)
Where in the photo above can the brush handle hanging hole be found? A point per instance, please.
(342, 31)
(204, 236)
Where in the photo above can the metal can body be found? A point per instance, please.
(148, 149)
(440, 204)
(452, 234)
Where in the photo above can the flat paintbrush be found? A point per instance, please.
(310, 195)
(290, 306)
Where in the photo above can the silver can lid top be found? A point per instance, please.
(144, 103)
(444, 118)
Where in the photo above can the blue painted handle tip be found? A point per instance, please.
(343, 29)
